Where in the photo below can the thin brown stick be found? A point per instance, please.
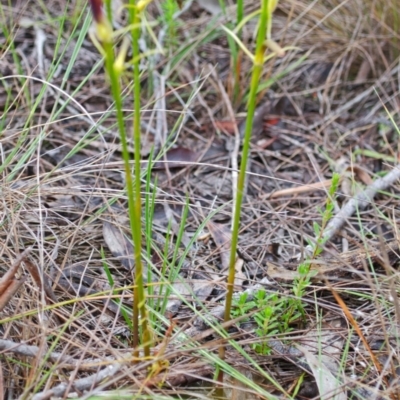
(58, 358)
(79, 385)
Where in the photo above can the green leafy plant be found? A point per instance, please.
(241, 306)
(267, 318)
(271, 312)
(316, 246)
(170, 8)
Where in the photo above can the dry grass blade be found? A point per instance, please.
(301, 189)
(2, 391)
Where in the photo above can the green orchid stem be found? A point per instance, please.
(237, 55)
(140, 318)
(251, 106)
(239, 11)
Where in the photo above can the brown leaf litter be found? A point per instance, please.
(64, 201)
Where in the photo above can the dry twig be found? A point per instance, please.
(360, 201)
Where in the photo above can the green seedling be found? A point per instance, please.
(170, 8)
(304, 273)
(241, 306)
(272, 314)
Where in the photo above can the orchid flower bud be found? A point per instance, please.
(102, 26)
(119, 63)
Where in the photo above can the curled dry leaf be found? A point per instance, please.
(329, 385)
(360, 173)
(204, 284)
(222, 237)
(265, 143)
(78, 281)
(228, 127)
(41, 280)
(9, 292)
(280, 273)
(240, 277)
(258, 121)
(350, 174)
(174, 302)
(363, 71)
(8, 284)
(9, 275)
(118, 244)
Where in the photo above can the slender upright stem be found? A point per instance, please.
(236, 55)
(114, 68)
(139, 306)
(239, 11)
(251, 106)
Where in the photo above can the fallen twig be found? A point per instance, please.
(360, 202)
(58, 358)
(79, 385)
